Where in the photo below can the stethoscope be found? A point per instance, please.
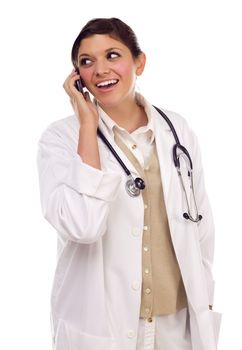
(134, 186)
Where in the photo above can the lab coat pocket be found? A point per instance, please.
(71, 338)
(205, 329)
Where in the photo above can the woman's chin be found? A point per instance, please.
(107, 102)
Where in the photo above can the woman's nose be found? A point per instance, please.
(101, 68)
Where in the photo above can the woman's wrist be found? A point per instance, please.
(88, 145)
(88, 126)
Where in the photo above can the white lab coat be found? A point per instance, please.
(96, 292)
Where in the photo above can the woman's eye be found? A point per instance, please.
(112, 55)
(85, 61)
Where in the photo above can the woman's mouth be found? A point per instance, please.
(107, 84)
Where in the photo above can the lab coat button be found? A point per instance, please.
(136, 285)
(135, 231)
(130, 334)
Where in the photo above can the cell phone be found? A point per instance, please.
(79, 83)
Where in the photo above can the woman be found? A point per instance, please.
(133, 273)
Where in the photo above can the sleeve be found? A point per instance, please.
(206, 225)
(75, 197)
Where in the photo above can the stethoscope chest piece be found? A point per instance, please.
(133, 187)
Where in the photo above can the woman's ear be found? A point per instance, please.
(140, 63)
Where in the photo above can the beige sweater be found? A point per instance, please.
(162, 286)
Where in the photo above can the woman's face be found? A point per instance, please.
(108, 69)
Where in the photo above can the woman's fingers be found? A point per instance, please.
(81, 103)
(69, 84)
(87, 96)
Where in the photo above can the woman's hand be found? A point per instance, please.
(88, 118)
(82, 105)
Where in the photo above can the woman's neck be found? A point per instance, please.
(129, 116)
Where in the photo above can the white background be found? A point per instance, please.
(193, 67)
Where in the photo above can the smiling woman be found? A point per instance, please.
(109, 70)
(132, 272)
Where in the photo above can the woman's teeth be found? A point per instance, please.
(107, 83)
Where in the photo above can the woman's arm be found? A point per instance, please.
(88, 146)
(75, 196)
(75, 193)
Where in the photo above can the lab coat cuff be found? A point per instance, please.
(91, 181)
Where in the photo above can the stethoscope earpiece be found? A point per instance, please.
(188, 217)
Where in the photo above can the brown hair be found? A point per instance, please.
(115, 28)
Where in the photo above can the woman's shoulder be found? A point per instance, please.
(64, 127)
(63, 124)
(184, 131)
(176, 119)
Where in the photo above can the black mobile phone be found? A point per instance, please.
(79, 84)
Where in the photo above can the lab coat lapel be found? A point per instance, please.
(108, 158)
(164, 143)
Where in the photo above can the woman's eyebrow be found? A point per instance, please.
(113, 48)
(83, 54)
(107, 50)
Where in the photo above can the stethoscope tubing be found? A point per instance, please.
(177, 145)
(115, 154)
(169, 123)
(139, 183)
(133, 186)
